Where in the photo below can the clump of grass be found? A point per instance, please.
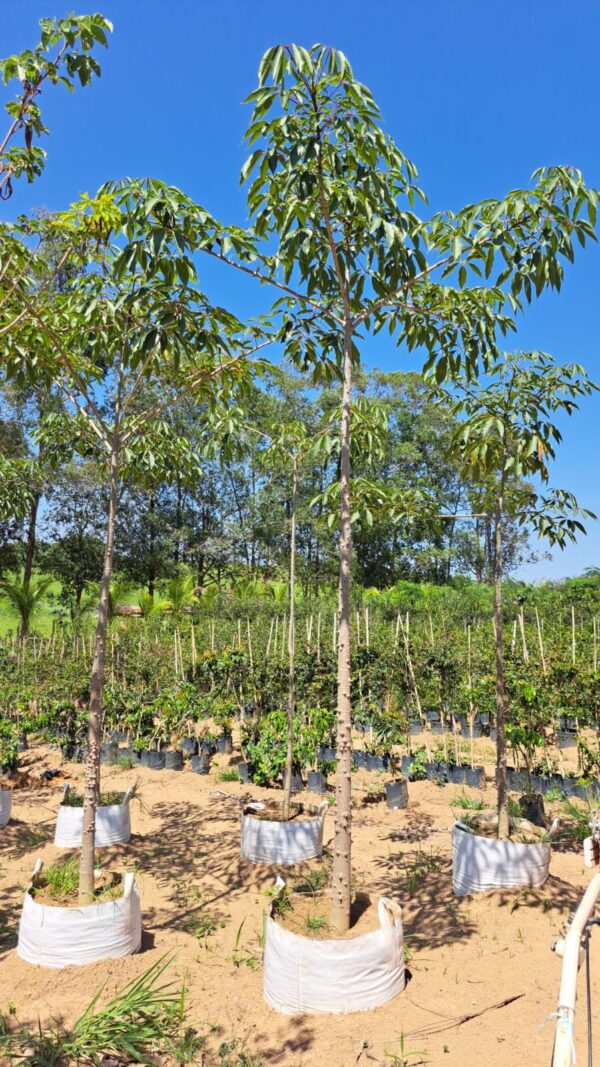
(311, 882)
(315, 924)
(230, 774)
(469, 803)
(62, 879)
(74, 800)
(143, 1019)
(576, 821)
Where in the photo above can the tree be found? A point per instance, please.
(335, 235)
(508, 434)
(128, 339)
(26, 597)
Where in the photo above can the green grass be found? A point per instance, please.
(74, 800)
(315, 924)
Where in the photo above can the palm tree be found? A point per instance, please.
(180, 593)
(25, 597)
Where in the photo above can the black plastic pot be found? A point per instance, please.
(438, 728)
(405, 763)
(22, 745)
(297, 783)
(119, 736)
(376, 763)
(432, 772)
(456, 775)
(188, 745)
(566, 739)
(317, 782)
(68, 750)
(154, 761)
(569, 787)
(414, 728)
(361, 759)
(244, 771)
(201, 763)
(532, 808)
(173, 760)
(493, 733)
(474, 777)
(330, 754)
(477, 730)
(109, 753)
(433, 716)
(517, 780)
(483, 717)
(397, 793)
(225, 744)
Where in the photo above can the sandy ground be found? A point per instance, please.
(466, 957)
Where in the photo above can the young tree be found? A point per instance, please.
(508, 435)
(122, 345)
(335, 235)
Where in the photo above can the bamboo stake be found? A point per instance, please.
(595, 644)
(334, 631)
(318, 637)
(270, 636)
(573, 645)
(276, 635)
(541, 642)
(239, 629)
(249, 632)
(193, 639)
(212, 635)
(367, 635)
(523, 640)
(397, 633)
(431, 630)
(283, 633)
(357, 628)
(514, 636)
(175, 658)
(413, 680)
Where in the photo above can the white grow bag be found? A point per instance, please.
(282, 843)
(481, 863)
(305, 975)
(51, 936)
(5, 805)
(113, 824)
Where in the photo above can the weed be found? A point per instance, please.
(124, 763)
(422, 865)
(403, 1058)
(242, 1059)
(315, 924)
(469, 803)
(576, 819)
(515, 902)
(230, 774)
(312, 882)
(242, 955)
(142, 1019)
(62, 879)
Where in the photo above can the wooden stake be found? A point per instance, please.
(248, 631)
(541, 642)
(334, 631)
(595, 644)
(270, 636)
(367, 636)
(524, 642)
(193, 639)
(573, 646)
(318, 637)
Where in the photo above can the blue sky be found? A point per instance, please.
(477, 94)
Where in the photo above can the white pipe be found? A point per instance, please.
(563, 1040)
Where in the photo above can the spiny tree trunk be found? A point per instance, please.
(501, 782)
(291, 653)
(340, 899)
(92, 767)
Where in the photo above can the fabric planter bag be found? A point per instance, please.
(282, 843)
(113, 824)
(5, 805)
(482, 863)
(306, 975)
(57, 937)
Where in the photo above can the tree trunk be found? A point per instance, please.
(340, 899)
(29, 557)
(501, 782)
(291, 652)
(92, 768)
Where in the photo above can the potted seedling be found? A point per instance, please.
(55, 932)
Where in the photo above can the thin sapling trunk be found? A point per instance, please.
(92, 767)
(501, 779)
(340, 899)
(287, 786)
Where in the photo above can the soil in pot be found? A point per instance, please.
(58, 885)
(272, 811)
(74, 800)
(307, 914)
